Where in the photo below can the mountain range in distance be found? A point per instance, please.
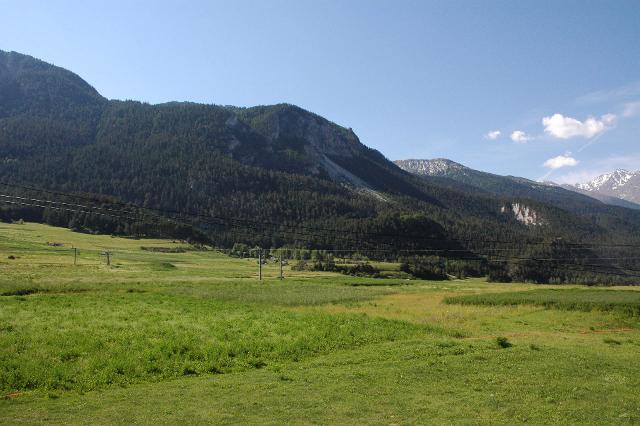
(620, 184)
(618, 188)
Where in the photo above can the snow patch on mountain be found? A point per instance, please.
(613, 180)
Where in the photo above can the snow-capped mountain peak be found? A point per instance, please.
(619, 183)
(613, 180)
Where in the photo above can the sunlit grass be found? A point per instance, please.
(625, 301)
(194, 337)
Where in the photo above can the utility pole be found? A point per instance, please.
(108, 255)
(260, 265)
(281, 276)
(75, 256)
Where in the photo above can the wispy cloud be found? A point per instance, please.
(563, 127)
(631, 109)
(577, 176)
(629, 162)
(617, 94)
(493, 135)
(520, 137)
(600, 167)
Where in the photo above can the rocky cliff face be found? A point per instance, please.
(316, 138)
(524, 214)
(285, 122)
(436, 167)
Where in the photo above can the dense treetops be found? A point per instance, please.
(273, 165)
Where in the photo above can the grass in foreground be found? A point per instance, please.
(410, 382)
(83, 342)
(193, 337)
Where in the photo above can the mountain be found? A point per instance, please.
(273, 176)
(457, 175)
(272, 164)
(620, 184)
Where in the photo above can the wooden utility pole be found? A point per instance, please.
(260, 265)
(75, 256)
(281, 276)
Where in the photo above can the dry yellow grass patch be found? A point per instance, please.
(426, 307)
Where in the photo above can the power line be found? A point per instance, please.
(395, 251)
(577, 267)
(92, 210)
(333, 231)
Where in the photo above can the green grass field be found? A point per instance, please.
(191, 336)
(577, 299)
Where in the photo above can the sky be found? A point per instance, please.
(548, 90)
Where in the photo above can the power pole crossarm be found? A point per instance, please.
(107, 254)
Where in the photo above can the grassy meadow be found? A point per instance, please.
(170, 333)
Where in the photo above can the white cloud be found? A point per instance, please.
(563, 127)
(560, 161)
(493, 135)
(631, 109)
(520, 136)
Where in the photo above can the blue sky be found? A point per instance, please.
(560, 80)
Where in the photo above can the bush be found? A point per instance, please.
(425, 267)
(499, 274)
(302, 265)
(503, 342)
(360, 270)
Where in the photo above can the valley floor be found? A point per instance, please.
(170, 334)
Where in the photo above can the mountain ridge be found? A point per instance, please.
(619, 183)
(259, 171)
(506, 185)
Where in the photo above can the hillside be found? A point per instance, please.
(269, 163)
(267, 175)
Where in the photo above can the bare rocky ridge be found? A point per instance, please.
(435, 167)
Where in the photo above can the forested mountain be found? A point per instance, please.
(576, 199)
(269, 175)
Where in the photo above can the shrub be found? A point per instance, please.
(300, 266)
(425, 267)
(22, 292)
(503, 342)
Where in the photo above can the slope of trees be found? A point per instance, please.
(270, 176)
